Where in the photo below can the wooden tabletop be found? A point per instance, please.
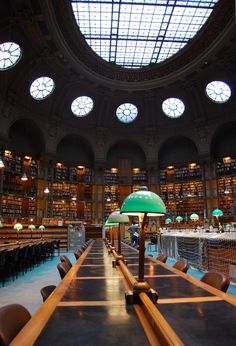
(88, 306)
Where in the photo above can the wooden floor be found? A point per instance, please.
(88, 307)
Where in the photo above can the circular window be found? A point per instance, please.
(173, 107)
(41, 88)
(218, 91)
(82, 106)
(10, 54)
(126, 112)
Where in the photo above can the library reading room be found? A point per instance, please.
(117, 172)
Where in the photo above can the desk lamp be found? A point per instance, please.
(117, 217)
(142, 203)
(31, 227)
(42, 228)
(110, 225)
(217, 213)
(18, 227)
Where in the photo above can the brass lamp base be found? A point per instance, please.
(110, 249)
(132, 297)
(117, 259)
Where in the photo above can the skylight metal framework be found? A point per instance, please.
(136, 33)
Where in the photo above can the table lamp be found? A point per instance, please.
(217, 213)
(18, 227)
(31, 227)
(42, 228)
(110, 225)
(142, 203)
(117, 217)
(194, 217)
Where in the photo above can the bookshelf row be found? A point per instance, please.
(72, 189)
(191, 171)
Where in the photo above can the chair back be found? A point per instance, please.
(46, 291)
(217, 280)
(78, 253)
(181, 265)
(3, 257)
(66, 260)
(13, 317)
(63, 269)
(162, 258)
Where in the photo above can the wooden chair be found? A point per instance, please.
(182, 266)
(13, 317)
(162, 258)
(66, 260)
(78, 253)
(217, 280)
(46, 291)
(63, 269)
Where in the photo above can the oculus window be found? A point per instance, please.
(10, 54)
(136, 33)
(41, 88)
(173, 107)
(218, 91)
(126, 112)
(82, 106)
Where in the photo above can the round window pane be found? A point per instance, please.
(82, 106)
(126, 112)
(41, 88)
(218, 91)
(10, 54)
(173, 107)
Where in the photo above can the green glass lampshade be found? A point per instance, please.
(42, 227)
(18, 226)
(31, 227)
(168, 220)
(194, 217)
(179, 218)
(116, 216)
(217, 212)
(110, 224)
(143, 201)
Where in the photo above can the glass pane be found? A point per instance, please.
(10, 54)
(173, 107)
(82, 106)
(132, 33)
(126, 112)
(218, 91)
(41, 88)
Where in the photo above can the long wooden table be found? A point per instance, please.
(88, 306)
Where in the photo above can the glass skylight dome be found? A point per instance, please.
(136, 33)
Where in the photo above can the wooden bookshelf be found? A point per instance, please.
(8, 235)
(226, 185)
(181, 189)
(19, 197)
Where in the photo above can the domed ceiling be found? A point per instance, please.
(66, 87)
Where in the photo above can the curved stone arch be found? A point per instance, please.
(26, 137)
(178, 150)
(76, 150)
(223, 142)
(125, 149)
